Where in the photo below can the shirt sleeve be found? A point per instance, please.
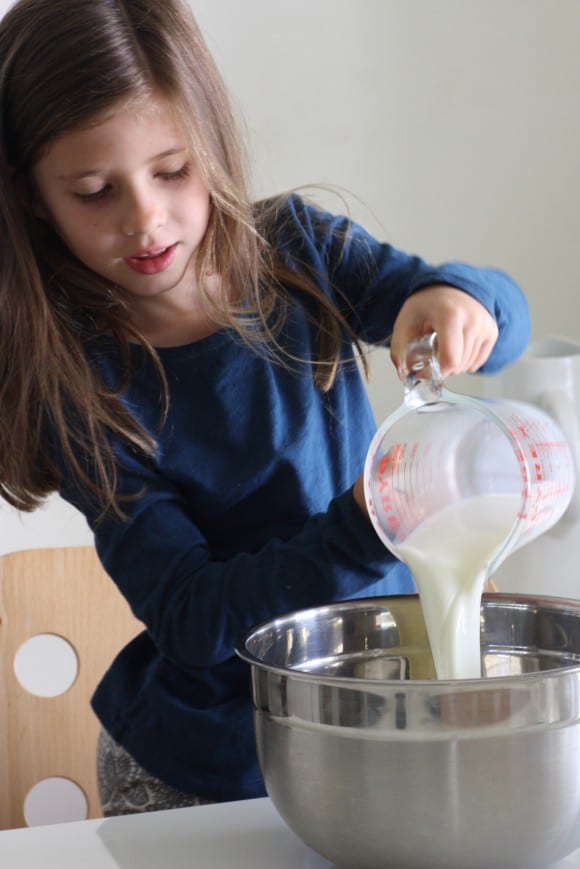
(370, 280)
(194, 606)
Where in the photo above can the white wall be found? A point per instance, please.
(454, 122)
(56, 523)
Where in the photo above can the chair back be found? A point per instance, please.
(60, 599)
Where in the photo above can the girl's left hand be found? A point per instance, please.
(466, 331)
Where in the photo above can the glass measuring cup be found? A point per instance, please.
(442, 448)
(453, 484)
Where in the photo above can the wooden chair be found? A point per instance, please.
(62, 592)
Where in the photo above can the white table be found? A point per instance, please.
(241, 835)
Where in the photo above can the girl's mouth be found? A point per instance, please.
(152, 262)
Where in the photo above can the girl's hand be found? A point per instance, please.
(466, 332)
(358, 493)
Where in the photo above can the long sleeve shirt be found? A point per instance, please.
(246, 509)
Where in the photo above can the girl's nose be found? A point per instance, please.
(143, 214)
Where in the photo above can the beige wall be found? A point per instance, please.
(455, 122)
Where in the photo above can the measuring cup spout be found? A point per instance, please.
(420, 372)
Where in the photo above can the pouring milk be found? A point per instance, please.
(449, 556)
(453, 485)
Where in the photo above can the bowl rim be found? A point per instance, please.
(517, 601)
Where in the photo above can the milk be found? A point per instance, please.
(448, 555)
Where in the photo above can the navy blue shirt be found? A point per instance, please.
(247, 510)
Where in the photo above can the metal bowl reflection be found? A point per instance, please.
(377, 765)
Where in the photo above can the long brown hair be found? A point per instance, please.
(61, 63)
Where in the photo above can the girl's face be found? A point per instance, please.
(126, 197)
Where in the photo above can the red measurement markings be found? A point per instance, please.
(537, 459)
(389, 467)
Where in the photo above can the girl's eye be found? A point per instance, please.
(92, 197)
(176, 175)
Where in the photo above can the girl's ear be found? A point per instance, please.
(38, 208)
(28, 196)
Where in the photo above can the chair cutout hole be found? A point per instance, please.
(55, 800)
(46, 665)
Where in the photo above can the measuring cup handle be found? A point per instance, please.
(420, 371)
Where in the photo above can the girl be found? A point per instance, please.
(178, 363)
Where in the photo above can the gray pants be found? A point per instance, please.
(126, 788)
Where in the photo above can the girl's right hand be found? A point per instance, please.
(358, 493)
(466, 331)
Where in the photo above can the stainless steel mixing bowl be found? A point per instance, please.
(376, 764)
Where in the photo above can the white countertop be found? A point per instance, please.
(241, 835)
(244, 835)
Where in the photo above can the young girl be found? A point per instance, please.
(178, 363)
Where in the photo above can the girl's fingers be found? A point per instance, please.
(466, 332)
